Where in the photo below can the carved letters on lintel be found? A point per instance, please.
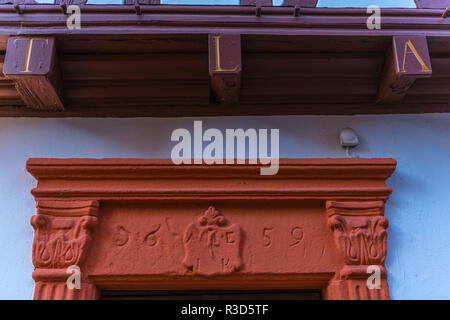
(225, 66)
(406, 60)
(32, 63)
(212, 246)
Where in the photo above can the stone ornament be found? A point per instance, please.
(135, 224)
(211, 246)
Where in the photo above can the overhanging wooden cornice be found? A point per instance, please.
(289, 60)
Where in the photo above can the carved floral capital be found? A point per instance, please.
(359, 231)
(62, 232)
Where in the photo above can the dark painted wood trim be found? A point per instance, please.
(226, 110)
(163, 19)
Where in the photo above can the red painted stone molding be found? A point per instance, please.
(135, 224)
(62, 235)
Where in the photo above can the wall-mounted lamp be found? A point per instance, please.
(348, 139)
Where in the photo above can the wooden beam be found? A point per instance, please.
(31, 63)
(127, 111)
(225, 66)
(406, 60)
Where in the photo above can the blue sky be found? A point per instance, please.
(366, 3)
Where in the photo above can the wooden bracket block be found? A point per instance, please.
(31, 62)
(407, 59)
(225, 66)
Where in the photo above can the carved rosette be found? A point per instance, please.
(62, 236)
(211, 245)
(360, 235)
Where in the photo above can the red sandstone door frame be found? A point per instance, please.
(134, 224)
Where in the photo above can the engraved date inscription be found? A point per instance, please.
(295, 236)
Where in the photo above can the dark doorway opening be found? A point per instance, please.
(213, 295)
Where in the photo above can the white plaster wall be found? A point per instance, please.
(418, 210)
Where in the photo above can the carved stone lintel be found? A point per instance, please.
(212, 247)
(360, 235)
(62, 235)
(152, 235)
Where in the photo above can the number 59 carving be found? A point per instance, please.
(296, 235)
(267, 236)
